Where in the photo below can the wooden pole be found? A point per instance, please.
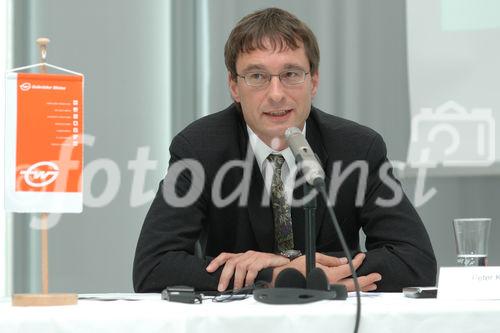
(44, 217)
(45, 252)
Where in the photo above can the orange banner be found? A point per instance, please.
(49, 152)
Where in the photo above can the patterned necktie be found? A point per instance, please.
(283, 232)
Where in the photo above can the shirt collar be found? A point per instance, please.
(262, 150)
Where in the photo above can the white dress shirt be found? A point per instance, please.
(288, 170)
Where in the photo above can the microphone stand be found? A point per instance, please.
(303, 152)
(310, 226)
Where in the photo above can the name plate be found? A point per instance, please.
(469, 283)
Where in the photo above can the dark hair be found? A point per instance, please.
(280, 28)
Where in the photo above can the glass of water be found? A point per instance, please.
(471, 239)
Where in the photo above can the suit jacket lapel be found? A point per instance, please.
(260, 212)
(260, 215)
(313, 136)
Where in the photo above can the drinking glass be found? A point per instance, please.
(471, 239)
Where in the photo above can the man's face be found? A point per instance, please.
(271, 109)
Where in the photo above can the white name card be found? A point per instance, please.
(469, 283)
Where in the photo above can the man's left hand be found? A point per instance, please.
(244, 267)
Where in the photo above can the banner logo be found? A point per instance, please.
(41, 174)
(25, 86)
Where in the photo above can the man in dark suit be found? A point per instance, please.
(231, 182)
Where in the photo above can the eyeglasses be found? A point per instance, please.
(233, 295)
(239, 294)
(290, 77)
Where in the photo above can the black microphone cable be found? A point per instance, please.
(319, 185)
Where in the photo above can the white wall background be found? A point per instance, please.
(454, 55)
(5, 219)
(123, 48)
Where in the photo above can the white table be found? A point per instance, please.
(381, 312)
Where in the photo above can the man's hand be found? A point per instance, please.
(321, 261)
(337, 271)
(342, 275)
(244, 267)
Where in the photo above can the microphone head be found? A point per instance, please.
(291, 131)
(316, 279)
(290, 278)
(305, 158)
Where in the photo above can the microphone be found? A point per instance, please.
(315, 176)
(311, 168)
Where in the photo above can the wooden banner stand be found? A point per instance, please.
(46, 298)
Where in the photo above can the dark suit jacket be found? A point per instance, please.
(397, 243)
